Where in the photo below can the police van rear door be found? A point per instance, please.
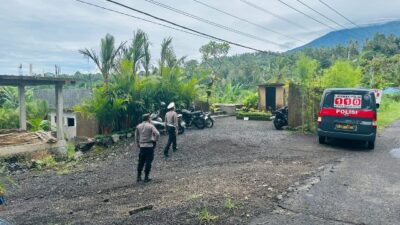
(348, 111)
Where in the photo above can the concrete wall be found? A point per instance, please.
(59, 148)
(294, 105)
(203, 106)
(280, 97)
(86, 127)
(229, 109)
(261, 96)
(69, 124)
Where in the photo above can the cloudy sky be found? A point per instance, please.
(50, 32)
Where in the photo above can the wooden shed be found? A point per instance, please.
(271, 96)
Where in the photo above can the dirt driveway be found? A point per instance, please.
(228, 175)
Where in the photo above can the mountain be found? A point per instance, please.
(357, 34)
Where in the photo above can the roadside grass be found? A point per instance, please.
(43, 160)
(388, 112)
(70, 151)
(230, 204)
(205, 216)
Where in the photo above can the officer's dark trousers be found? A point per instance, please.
(171, 139)
(146, 157)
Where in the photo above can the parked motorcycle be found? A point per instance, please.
(280, 118)
(160, 124)
(193, 118)
(209, 120)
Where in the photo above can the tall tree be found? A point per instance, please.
(166, 51)
(147, 58)
(342, 74)
(137, 52)
(212, 54)
(168, 57)
(106, 60)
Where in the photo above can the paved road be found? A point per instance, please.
(362, 189)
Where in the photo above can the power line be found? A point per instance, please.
(331, 8)
(139, 18)
(309, 7)
(340, 25)
(273, 14)
(306, 15)
(213, 23)
(167, 21)
(247, 21)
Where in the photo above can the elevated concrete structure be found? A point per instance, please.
(22, 81)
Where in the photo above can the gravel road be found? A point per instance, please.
(246, 163)
(361, 190)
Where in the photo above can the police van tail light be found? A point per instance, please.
(319, 120)
(374, 123)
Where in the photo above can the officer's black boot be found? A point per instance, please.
(139, 177)
(166, 153)
(146, 178)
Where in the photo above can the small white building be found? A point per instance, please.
(74, 124)
(69, 122)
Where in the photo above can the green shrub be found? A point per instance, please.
(9, 118)
(254, 115)
(394, 97)
(251, 100)
(45, 163)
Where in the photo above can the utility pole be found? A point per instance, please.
(57, 70)
(20, 70)
(30, 69)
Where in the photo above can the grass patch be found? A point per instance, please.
(43, 160)
(70, 151)
(254, 115)
(389, 111)
(230, 204)
(205, 216)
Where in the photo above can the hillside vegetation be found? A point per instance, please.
(129, 84)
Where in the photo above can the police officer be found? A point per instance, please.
(146, 137)
(171, 123)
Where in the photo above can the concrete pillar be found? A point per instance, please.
(59, 112)
(22, 107)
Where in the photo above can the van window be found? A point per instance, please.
(353, 100)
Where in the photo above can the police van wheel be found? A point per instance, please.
(322, 139)
(371, 144)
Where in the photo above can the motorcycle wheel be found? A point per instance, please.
(200, 123)
(181, 130)
(209, 123)
(278, 124)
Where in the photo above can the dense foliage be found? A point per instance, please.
(120, 102)
(128, 84)
(9, 112)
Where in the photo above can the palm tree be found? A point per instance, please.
(147, 58)
(9, 97)
(138, 53)
(166, 51)
(105, 62)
